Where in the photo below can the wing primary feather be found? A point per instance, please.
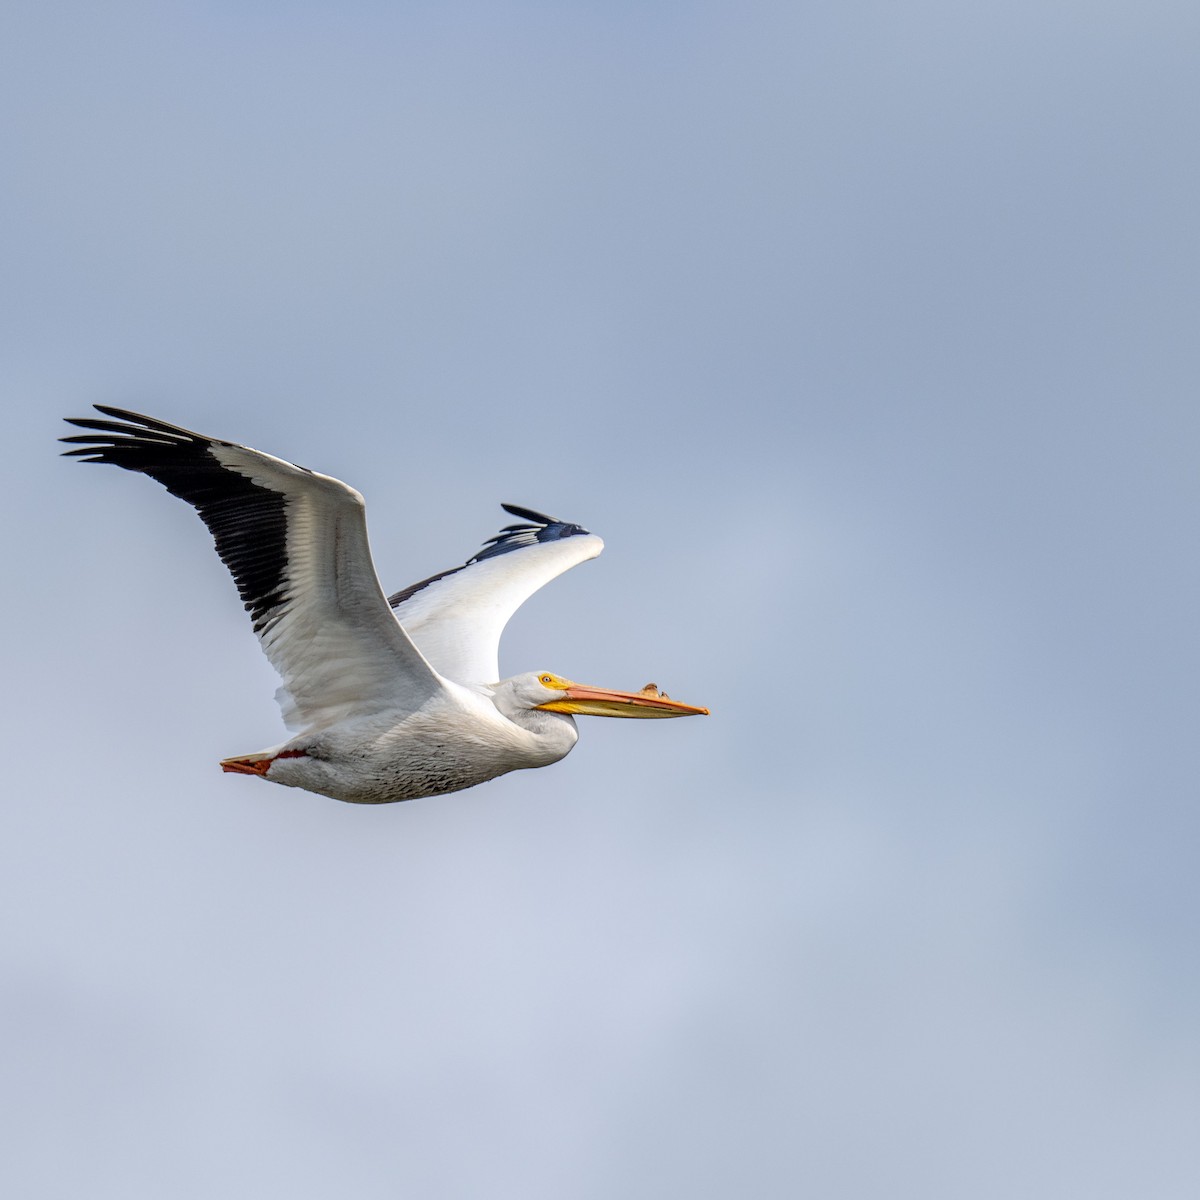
(510, 537)
(247, 521)
(296, 545)
(529, 514)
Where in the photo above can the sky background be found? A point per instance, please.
(867, 337)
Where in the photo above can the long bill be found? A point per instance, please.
(581, 700)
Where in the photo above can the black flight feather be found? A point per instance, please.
(512, 537)
(247, 521)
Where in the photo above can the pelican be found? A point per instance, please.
(388, 698)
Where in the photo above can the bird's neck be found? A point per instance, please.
(551, 736)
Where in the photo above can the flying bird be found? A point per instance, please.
(388, 698)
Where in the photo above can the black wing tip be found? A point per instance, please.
(530, 514)
(126, 433)
(134, 425)
(544, 527)
(129, 417)
(541, 528)
(122, 414)
(247, 520)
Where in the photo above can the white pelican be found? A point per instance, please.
(387, 703)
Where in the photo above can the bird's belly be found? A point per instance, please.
(388, 785)
(388, 769)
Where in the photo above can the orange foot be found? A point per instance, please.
(257, 764)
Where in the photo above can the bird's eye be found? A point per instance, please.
(547, 680)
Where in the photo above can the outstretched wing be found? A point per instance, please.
(456, 618)
(296, 545)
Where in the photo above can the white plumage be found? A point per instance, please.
(387, 703)
(456, 620)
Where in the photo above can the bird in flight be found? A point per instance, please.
(388, 698)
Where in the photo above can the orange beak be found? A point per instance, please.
(579, 699)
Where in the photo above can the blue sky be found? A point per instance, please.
(866, 337)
